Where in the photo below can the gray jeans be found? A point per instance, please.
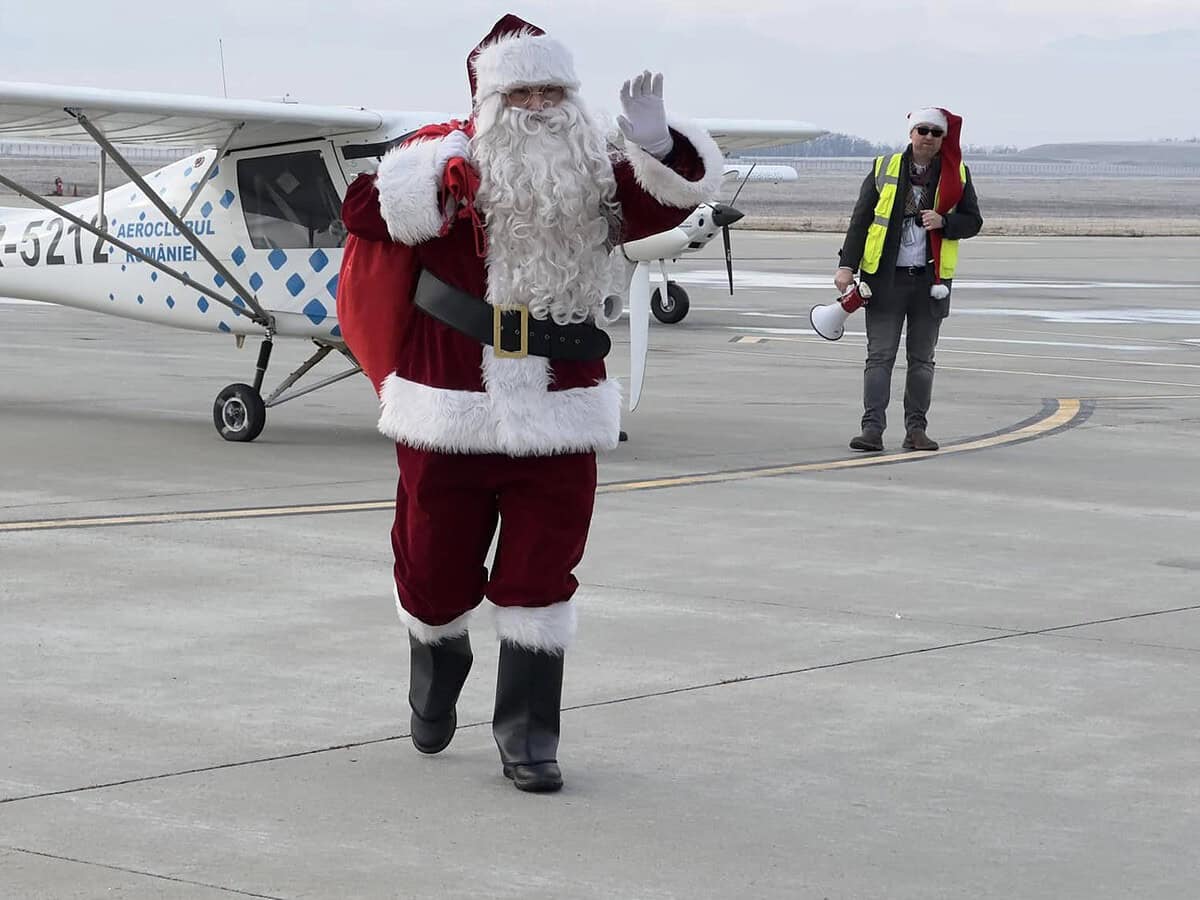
(886, 313)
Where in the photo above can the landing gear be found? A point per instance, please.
(239, 413)
(673, 308)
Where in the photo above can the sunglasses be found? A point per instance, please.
(925, 130)
(550, 93)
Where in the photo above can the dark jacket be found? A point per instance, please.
(964, 222)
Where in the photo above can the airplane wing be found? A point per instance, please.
(38, 112)
(733, 135)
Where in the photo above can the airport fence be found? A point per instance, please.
(66, 151)
(999, 167)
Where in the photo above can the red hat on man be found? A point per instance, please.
(950, 186)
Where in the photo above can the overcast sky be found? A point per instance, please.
(1019, 71)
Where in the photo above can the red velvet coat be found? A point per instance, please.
(440, 389)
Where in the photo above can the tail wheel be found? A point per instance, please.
(239, 413)
(673, 308)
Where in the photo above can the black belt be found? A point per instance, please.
(508, 328)
(910, 270)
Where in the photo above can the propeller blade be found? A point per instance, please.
(745, 181)
(724, 216)
(639, 330)
(728, 258)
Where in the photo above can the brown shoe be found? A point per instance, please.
(917, 439)
(868, 440)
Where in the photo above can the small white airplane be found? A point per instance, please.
(244, 237)
(670, 303)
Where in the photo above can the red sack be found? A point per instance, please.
(374, 302)
(378, 275)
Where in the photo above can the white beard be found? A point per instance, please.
(546, 192)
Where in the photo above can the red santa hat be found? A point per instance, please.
(516, 54)
(950, 187)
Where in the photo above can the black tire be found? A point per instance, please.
(675, 307)
(239, 413)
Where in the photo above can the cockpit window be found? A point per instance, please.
(290, 202)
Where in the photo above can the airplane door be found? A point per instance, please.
(291, 196)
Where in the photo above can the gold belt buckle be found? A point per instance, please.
(497, 330)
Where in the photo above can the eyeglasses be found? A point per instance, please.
(924, 130)
(550, 93)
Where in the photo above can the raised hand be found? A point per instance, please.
(645, 120)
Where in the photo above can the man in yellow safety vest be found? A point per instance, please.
(913, 209)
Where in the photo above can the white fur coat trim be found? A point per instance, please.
(550, 629)
(523, 60)
(408, 181)
(669, 187)
(513, 416)
(430, 634)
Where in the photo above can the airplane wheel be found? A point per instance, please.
(239, 413)
(674, 308)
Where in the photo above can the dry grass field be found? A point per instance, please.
(1134, 206)
(39, 174)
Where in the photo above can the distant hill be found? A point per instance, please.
(827, 145)
(1147, 153)
(1173, 153)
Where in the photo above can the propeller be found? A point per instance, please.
(724, 216)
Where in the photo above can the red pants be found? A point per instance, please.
(447, 509)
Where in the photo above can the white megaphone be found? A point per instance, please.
(828, 319)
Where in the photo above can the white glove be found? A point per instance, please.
(645, 119)
(456, 143)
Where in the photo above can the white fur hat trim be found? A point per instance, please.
(520, 60)
(928, 116)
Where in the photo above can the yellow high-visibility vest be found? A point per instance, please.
(886, 179)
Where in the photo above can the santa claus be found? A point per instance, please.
(474, 291)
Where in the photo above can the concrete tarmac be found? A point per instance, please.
(801, 672)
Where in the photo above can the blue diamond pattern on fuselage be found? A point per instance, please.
(316, 311)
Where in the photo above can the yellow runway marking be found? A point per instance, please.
(1061, 414)
(1065, 413)
(197, 516)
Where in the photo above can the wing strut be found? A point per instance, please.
(102, 220)
(262, 316)
(87, 226)
(220, 154)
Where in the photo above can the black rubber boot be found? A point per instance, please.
(436, 677)
(526, 720)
